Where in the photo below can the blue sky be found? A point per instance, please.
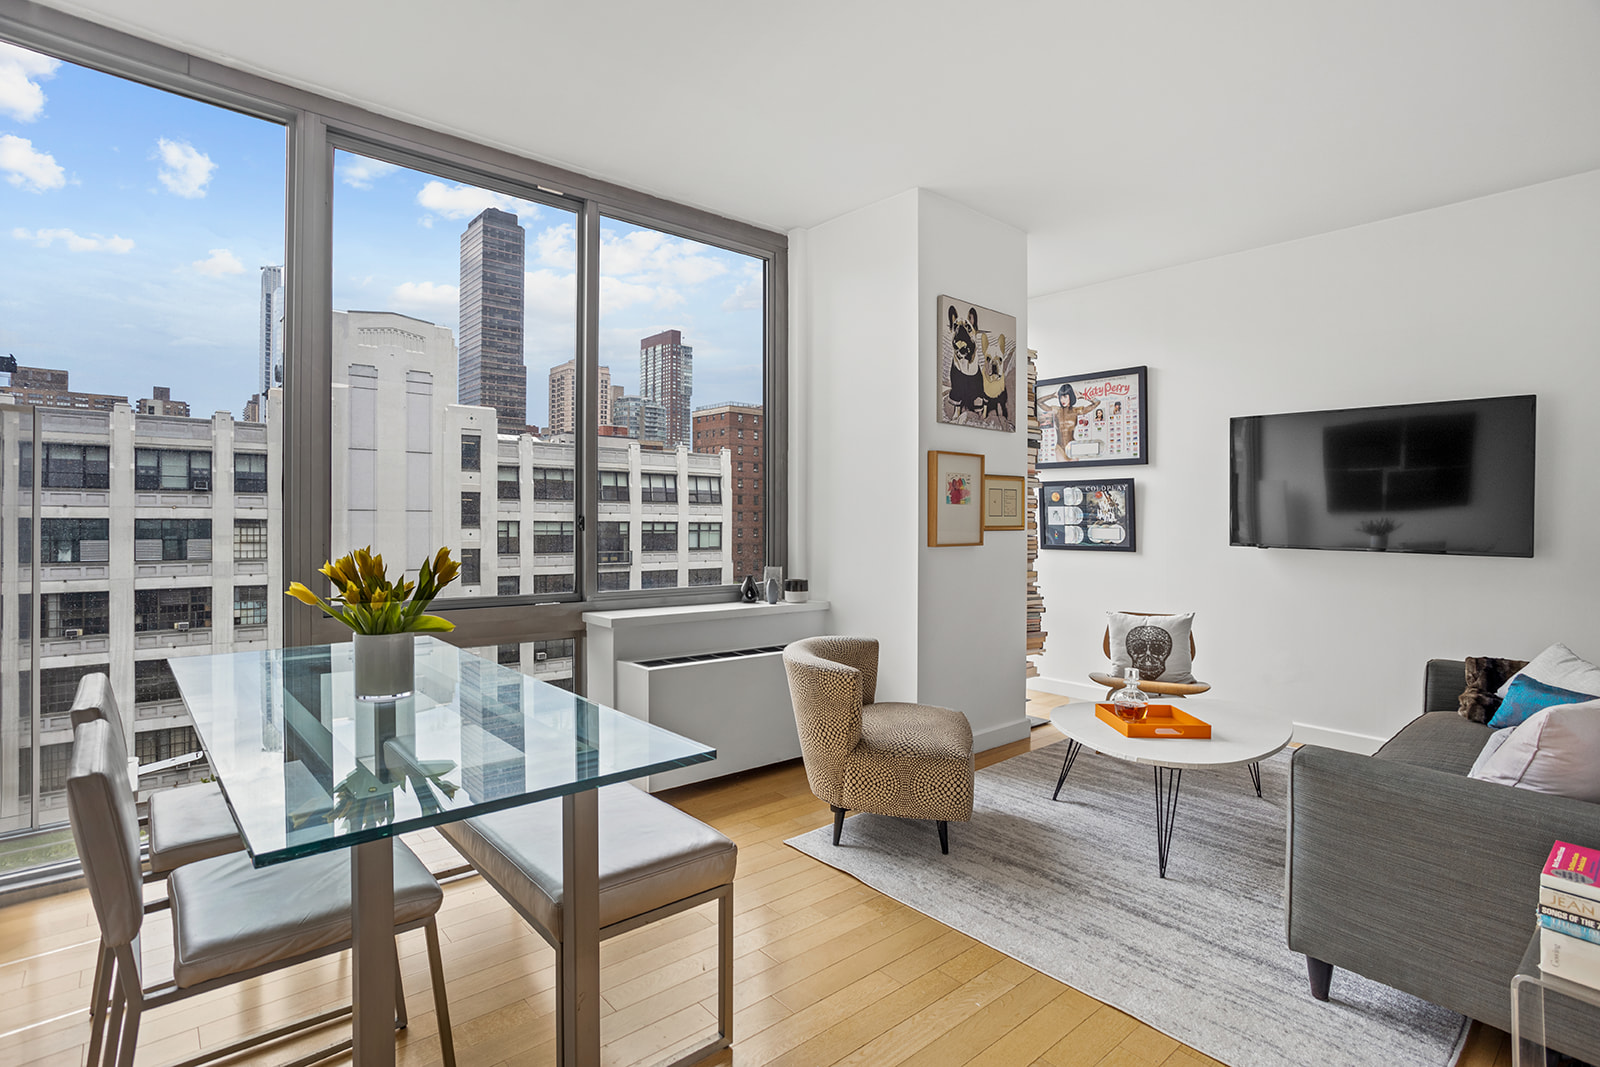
(135, 222)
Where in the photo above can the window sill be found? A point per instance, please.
(633, 617)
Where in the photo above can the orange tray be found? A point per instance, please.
(1160, 720)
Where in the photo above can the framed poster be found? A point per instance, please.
(977, 379)
(1088, 515)
(955, 506)
(1003, 502)
(1094, 420)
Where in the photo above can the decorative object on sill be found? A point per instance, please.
(1003, 496)
(382, 615)
(1093, 420)
(977, 371)
(955, 513)
(1378, 531)
(748, 591)
(773, 590)
(796, 590)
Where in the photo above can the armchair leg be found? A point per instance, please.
(944, 837)
(1321, 975)
(838, 823)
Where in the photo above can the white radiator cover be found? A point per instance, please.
(736, 702)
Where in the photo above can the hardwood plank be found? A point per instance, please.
(1091, 1040)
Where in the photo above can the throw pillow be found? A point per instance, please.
(1555, 751)
(1528, 695)
(1490, 747)
(1157, 645)
(1559, 665)
(1485, 676)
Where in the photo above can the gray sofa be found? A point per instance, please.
(1403, 869)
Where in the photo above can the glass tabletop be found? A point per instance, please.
(307, 768)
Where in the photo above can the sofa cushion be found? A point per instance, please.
(1441, 740)
(1527, 695)
(1555, 751)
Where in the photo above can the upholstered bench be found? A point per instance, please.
(655, 861)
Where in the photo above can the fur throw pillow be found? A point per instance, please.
(1485, 674)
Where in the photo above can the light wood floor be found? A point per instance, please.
(827, 971)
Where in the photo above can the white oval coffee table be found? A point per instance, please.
(1241, 734)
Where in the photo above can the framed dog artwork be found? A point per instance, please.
(977, 379)
(1094, 420)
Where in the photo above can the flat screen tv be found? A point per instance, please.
(1451, 478)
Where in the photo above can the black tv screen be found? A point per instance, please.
(1453, 478)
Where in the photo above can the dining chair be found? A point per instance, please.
(230, 921)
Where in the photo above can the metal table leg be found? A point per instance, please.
(1255, 776)
(1066, 765)
(1167, 782)
(372, 952)
(580, 930)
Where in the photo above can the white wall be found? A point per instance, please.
(1489, 297)
(864, 291)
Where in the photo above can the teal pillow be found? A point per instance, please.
(1529, 695)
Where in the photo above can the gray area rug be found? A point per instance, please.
(1070, 888)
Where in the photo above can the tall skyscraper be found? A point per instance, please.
(492, 374)
(666, 375)
(564, 397)
(269, 356)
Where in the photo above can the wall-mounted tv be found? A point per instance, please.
(1452, 478)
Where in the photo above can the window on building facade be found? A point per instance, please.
(171, 609)
(705, 576)
(74, 540)
(152, 745)
(506, 485)
(250, 605)
(153, 682)
(249, 472)
(74, 614)
(552, 538)
(552, 483)
(508, 655)
(552, 583)
(613, 543)
(471, 573)
(508, 585)
(614, 581)
(249, 539)
(172, 470)
(471, 445)
(58, 686)
(705, 489)
(658, 488)
(614, 485)
(658, 536)
(171, 539)
(55, 764)
(508, 537)
(548, 650)
(705, 535)
(658, 579)
(469, 509)
(71, 466)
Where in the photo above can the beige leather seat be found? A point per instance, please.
(229, 920)
(913, 761)
(1167, 689)
(655, 861)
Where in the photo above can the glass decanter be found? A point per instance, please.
(1130, 702)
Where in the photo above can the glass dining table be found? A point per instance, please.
(307, 768)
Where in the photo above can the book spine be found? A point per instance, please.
(1564, 926)
(1554, 912)
(1561, 897)
(1569, 957)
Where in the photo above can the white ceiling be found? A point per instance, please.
(1123, 137)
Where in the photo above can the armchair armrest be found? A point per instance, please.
(1419, 878)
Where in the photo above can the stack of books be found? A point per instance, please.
(1569, 914)
(1036, 632)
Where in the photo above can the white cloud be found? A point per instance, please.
(358, 172)
(548, 294)
(616, 294)
(27, 168)
(220, 262)
(557, 246)
(427, 295)
(20, 74)
(751, 293)
(75, 242)
(652, 257)
(466, 201)
(185, 170)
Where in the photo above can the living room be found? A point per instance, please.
(1271, 211)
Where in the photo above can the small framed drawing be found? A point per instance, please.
(1094, 420)
(955, 505)
(1088, 515)
(1002, 502)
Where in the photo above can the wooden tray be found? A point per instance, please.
(1160, 720)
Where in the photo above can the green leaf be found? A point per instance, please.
(427, 623)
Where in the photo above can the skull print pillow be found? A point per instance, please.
(1156, 645)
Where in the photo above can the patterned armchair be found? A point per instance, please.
(912, 761)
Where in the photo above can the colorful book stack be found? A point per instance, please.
(1036, 632)
(1569, 914)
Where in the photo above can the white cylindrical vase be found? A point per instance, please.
(385, 665)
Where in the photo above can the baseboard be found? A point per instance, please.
(1004, 734)
(1365, 744)
(1063, 688)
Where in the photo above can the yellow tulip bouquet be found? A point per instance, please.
(368, 603)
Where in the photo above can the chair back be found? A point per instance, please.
(1105, 642)
(830, 678)
(105, 827)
